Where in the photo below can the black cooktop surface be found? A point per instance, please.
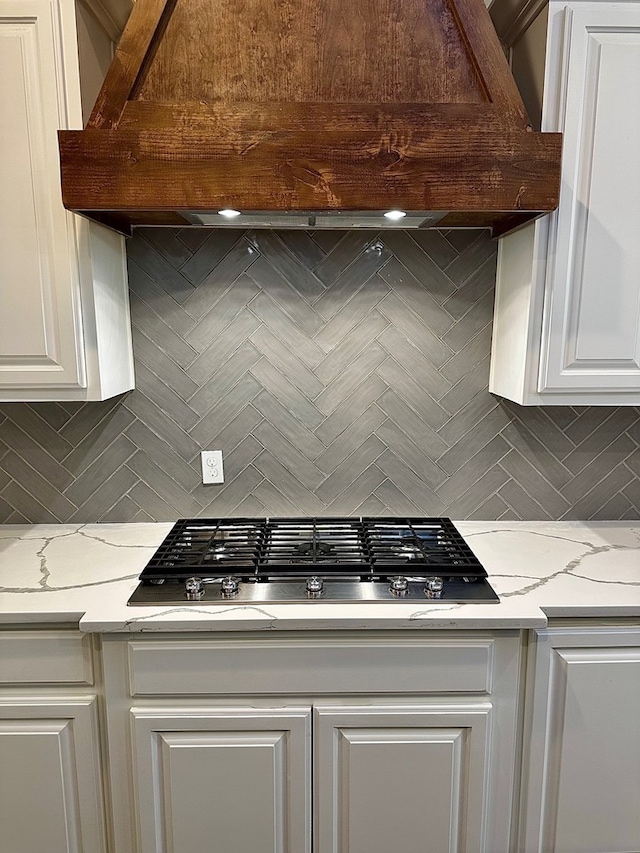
(261, 549)
(281, 560)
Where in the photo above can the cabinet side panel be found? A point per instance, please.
(109, 297)
(515, 295)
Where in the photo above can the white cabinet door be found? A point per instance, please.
(591, 338)
(567, 322)
(582, 757)
(405, 779)
(233, 780)
(64, 320)
(50, 785)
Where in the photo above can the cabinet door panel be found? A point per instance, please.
(233, 780)
(402, 779)
(590, 338)
(584, 761)
(40, 324)
(50, 790)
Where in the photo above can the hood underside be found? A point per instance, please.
(310, 113)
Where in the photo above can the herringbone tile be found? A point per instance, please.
(156, 297)
(276, 255)
(160, 333)
(38, 429)
(338, 372)
(342, 289)
(417, 297)
(148, 258)
(221, 310)
(410, 483)
(412, 424)
(412, 392)
(632, 493)
(432, 347)
(359, 339)
(351, 468)
(343, 254)
(344, 324)
(350, 440)
(340, 388)
(223, 379)
(208, 253)
(283, 327)
(222, 276)
(270, 378)
(414, 362)
(287, 362)
(54, 414)
(521, 503)
(290, 426)
(420, 264)
(286, 297)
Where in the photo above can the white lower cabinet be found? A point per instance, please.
(227, 779)
(51, 795)
(401, 778)
(387, 778)
(337, 770)
(581, 790)
(215, 743)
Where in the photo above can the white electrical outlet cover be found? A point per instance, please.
(212, 470)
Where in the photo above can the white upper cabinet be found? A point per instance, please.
(567, 322)
(64, 313)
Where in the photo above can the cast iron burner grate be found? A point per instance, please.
(261, 549)
(283, 559)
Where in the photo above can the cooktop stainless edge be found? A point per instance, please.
(292, 592)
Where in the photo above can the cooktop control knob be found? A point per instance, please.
(229, 587)
(399, 585)
(433, 587)
(193, 589)
(315, 587)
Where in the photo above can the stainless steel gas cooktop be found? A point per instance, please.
(289, 560)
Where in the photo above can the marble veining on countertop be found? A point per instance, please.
(86, 572)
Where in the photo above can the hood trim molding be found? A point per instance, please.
(145, 162)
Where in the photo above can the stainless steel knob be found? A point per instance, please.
(315, 587)
(229, 586)
(193, 589)
(399, 585)
(433, 587)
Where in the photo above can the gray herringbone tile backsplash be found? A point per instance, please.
(339, 372)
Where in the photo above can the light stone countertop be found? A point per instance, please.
(85, 573)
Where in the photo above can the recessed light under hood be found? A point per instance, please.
(330, 219)
(310, 111)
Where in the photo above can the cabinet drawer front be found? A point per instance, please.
(45, 657)
(278, 665)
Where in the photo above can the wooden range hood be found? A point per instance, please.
(310, 107)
